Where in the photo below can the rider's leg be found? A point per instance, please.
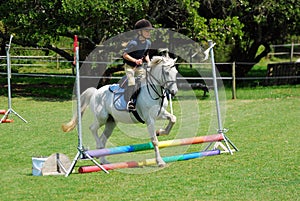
(139, 74)
(130, 88)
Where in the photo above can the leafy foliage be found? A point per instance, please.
(238, 27)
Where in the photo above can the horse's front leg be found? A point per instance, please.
(172, 121)
(154, 140)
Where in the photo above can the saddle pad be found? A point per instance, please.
(118, 100)
(115, 88)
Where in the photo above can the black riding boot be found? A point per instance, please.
(129, 97)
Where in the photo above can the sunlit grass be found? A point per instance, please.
(263, 125)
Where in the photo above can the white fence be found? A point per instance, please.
(290, 50)
(36, 61)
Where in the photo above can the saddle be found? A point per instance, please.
(119, 101)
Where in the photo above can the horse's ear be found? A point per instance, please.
(175, 60)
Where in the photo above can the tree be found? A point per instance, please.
(2, 42)
(238, 27)
(264, 23)
(42, 22)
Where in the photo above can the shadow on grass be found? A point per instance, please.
(39, 89)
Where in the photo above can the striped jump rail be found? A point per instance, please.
(148, 146)
(148, 162)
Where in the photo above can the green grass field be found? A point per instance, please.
(263, 123)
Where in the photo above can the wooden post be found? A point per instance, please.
(57, 61)
(233, 82)
(292, 51)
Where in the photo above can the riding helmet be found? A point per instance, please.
(143, 24)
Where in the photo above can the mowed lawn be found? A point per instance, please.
(263, 123)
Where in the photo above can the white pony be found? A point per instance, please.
(151, 105)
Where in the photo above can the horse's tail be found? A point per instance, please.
(85, 101)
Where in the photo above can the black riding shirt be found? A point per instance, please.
(137, 49)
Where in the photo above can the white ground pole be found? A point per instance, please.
(221, 130)
(81, 154)
(10, 110)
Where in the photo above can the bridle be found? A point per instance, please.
(163, 90)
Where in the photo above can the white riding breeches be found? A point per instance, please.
(132, 72)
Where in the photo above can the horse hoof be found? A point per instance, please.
(160, 132)
(161, 165)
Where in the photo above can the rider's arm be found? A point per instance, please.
(130, 58)
(147, 59)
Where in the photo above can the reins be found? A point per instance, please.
(150, 79)
(150, 83)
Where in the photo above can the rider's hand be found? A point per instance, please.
(139, 62)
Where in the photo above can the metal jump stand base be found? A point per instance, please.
(227, 147)
(9, 111)
(81, 154)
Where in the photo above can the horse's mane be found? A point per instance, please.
(155, 60)
(158, 59)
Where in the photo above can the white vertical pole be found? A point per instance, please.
(220, 125)
(9, 72)
(80, 146)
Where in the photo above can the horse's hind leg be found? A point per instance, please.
(94, 129)
(109, 127)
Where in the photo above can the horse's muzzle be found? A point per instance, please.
(172, 89)
(172, 92)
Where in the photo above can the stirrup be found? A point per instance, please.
(131, 106)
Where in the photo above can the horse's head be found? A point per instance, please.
(164, 72)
